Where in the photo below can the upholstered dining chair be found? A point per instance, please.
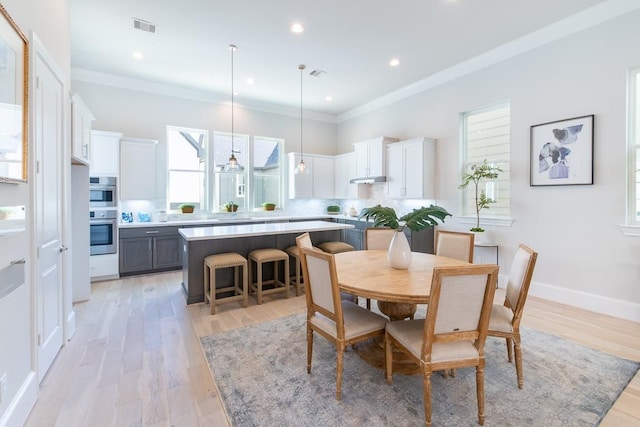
(377, 238)
(454, 331)
(341, 322)
(304, 241)
(454, 244)
(505, 318)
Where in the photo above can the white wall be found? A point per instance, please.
(584, 259)
(49, 19)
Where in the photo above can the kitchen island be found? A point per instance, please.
(200, 242)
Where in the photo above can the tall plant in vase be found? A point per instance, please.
(476, 174)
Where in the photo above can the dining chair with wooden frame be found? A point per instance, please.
(342, 323)
(454, 331)
(505, 318)
(377, 238)
(454, 244)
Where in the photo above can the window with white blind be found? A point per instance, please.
(633, 198)
(486, 135)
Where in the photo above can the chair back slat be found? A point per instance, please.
(378, 238)
(454, 244)
(304, 241)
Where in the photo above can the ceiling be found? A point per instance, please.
(351, 40)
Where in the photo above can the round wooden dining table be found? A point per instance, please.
(368, 274)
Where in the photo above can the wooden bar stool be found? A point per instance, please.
(335, 247)
(261, 256)
(225, 260)
(295, 280)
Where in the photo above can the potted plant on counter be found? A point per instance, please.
(187, 207)
(477, 173)
(269, 206)
(231, 206)
(399, 255)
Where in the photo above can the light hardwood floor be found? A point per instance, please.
(136, 360)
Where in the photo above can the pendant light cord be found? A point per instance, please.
(301, 68)
(232, 48)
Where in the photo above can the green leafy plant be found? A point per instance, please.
(475, 174)
(231, 206)
(333, 209)
(268, 206)
(187, 207)
(416, 220)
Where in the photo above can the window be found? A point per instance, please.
(633, 198)
(195, 170)
(186, 166)
(486, 136)
(267, 171)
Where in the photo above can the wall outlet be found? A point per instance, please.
(3, 386)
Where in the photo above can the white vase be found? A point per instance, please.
(399, 254)
(480, 236)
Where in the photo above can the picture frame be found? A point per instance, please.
(561, 152)
(14, 77)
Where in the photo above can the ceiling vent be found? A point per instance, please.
(147, 26)
(317, 73)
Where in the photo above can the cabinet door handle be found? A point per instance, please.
(153, 232)
(20, 261)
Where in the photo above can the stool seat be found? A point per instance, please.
(335, 247)
(260, 256)
(225, 260)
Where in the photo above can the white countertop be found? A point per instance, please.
(249, 230)
(190, 220)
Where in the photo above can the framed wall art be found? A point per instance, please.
(562, 152)
(13, 101)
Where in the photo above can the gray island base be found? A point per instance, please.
(200, 242)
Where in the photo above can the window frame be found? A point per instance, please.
(633, 148)
(467, 212)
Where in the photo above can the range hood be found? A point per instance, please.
(368, 180)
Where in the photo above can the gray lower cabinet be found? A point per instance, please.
(149, 249)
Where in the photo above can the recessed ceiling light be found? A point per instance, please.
(394, 62)
(137, 55)
(250, 81)
(297, 27)
(328, 98)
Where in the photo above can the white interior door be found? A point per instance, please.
(48, 107)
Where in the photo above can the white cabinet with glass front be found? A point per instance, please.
(410, 169)
(318, 183)
(370, 156)
(81, 119)
(137, 169)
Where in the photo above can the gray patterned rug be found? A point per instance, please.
(261, 374)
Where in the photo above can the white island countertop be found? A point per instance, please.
(250, 230)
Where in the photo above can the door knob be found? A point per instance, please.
(63, 248)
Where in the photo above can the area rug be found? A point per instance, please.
(261, 375)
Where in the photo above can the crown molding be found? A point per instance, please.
(139, 85)
(580, 21)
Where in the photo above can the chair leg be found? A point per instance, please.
(518, 351)
(339, 367)
(426, 395)
(480, 391)
(369, 304)
(388, 360)
(509, 350)
(309, 348)
(245, 285)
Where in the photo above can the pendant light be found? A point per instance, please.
(301, 168)
(232, 165)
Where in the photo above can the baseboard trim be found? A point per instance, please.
(21, 405)
(596, 303)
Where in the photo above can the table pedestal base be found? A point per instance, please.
(372, 350)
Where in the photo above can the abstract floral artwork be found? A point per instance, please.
(562, 152)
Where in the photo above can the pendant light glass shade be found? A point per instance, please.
(232, 165)
(301, 168)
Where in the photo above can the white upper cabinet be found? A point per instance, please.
(370, 156)
(81, 120)
(345, 169)
(410, 169)
(318, 183)
(137, 169)
(105, 153)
